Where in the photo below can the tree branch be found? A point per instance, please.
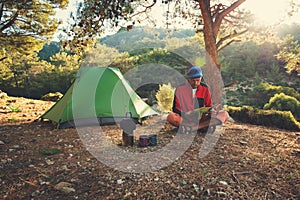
(231, 84)
(227, 44)
(145, 10)
(221, 15)
(3, 58)
(9, 23)
(216, 9)
(230, 36)
(1, 11)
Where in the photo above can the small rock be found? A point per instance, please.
(65, 167)
(35, 193)
(50, 162)
(120, 181)
(1, 142)
(74, 180)
(3, 161)
(207, 192)
(222, 194)
(18, 147)
(196, 188)
(128, 194)
(243, 142)
(64, 187)
(44, 183)
(223, 182)
(68, 189)
(62, 184)
(201, 188)
(102, 183)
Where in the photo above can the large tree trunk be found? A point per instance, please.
(214, 78)
(211, 29)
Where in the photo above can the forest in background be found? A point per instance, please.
(252, 70)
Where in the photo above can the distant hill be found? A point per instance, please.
(142, 37)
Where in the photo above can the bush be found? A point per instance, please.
(165, 97)
(239, 94)
(285, 103)
(264, 91)
(273, 118)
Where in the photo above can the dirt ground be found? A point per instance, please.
(38, 161)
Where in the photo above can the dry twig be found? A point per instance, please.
(238, 173)
(28, 182)
(235, 178)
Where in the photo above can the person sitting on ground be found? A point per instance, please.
(193, 94)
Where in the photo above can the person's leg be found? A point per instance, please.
(213, 119)
(174, 119)
(205, 121)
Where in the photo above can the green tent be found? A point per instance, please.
(99, 95)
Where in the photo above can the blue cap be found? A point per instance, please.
(194, 72)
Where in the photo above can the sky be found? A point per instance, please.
(267, 12)
(272, 11)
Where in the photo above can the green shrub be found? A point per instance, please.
(273, 118)
(241, 93)
(285, 103)
(264, 91)
(165, 97)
